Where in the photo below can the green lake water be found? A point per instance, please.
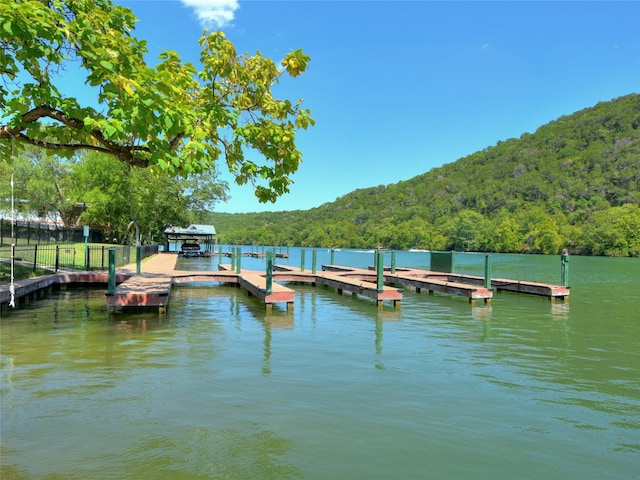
(438, 388)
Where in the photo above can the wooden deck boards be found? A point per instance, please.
(152, 287)
(342, 279)
(420, 280)
(518, 286)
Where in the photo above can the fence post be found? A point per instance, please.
(138, 258)
(35, 257)
(57, 258)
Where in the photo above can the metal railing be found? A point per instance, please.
(22, 232)
(53, 258)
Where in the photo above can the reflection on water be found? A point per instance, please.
(338, 388)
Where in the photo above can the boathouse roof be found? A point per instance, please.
(190, 231)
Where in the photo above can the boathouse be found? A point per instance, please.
(201, 234)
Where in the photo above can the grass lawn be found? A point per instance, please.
(20, 272)
(69, 256)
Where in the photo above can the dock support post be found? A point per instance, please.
(393, 262)
(332, 262)
(239, 255)
(85, 231)
(314, 257)
(269, 272)
(487, 270)
(564, 271)
(111, 287)
(232, 251)
(302, 253)
(138, 258)
(380, 271)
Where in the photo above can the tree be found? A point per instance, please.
(117, 194)
(506, 236)
(615, 232)
(467, 231)
(169, 115)
(44, 185)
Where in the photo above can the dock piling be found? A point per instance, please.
(380, 271)
(111, 284)
(269, 286)
(564, 269)
(487, 270)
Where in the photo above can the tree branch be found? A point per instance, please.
(124, 153)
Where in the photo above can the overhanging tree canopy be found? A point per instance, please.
(169, 115)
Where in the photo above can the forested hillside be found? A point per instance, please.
(574, 183)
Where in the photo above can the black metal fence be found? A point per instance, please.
(21, 232)
(53, 258)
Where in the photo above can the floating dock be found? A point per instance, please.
(342, 281)
(152, 287)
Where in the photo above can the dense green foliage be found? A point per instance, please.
(122, 201)
(574, 183)
(172, 116)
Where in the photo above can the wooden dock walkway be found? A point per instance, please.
(470, 286)
(34, 288)
(420, 280)
(518, 286)
(341, 281)
(152, 287)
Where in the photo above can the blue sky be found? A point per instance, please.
(400, 87)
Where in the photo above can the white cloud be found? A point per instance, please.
(213, 13)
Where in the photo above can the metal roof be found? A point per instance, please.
(191, 231)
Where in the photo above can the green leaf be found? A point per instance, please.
(106, 65)
(109, 132)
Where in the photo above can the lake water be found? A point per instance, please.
(438, 388)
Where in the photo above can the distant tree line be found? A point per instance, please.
(574, 183)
